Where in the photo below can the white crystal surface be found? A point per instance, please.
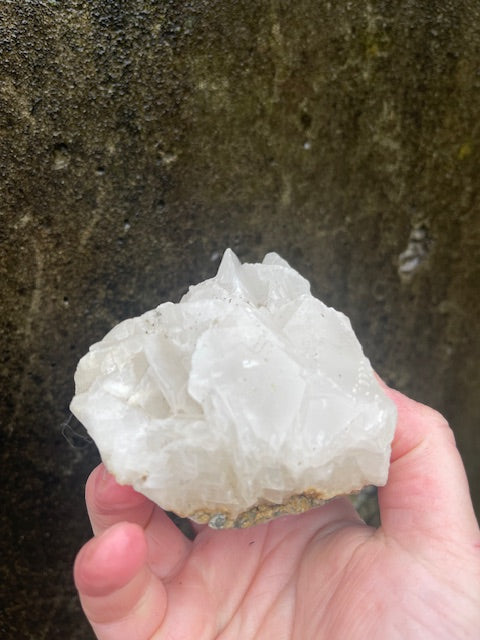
(247, 391)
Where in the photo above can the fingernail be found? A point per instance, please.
(104, 478)
(104, 475)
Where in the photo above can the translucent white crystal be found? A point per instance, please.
(247, 392)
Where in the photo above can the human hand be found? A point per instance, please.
(323, 574)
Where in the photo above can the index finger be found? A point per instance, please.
(109, 503)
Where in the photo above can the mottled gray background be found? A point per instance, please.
(140, 138)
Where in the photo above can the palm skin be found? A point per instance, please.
(322, 574)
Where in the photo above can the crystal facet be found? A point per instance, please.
(248, 399)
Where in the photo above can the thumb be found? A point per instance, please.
(121, 597)
(427, 491)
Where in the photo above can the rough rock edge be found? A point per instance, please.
(263, 511)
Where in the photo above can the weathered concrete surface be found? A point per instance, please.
(139, 139)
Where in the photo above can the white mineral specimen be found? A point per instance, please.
(247, 399)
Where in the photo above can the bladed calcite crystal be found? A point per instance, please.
(248, 399)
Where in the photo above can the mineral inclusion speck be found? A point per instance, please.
(246, 400)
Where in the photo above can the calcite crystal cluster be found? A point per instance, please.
(247, 399)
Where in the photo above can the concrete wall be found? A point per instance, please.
(138, 139)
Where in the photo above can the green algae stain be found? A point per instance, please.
(464, 151)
